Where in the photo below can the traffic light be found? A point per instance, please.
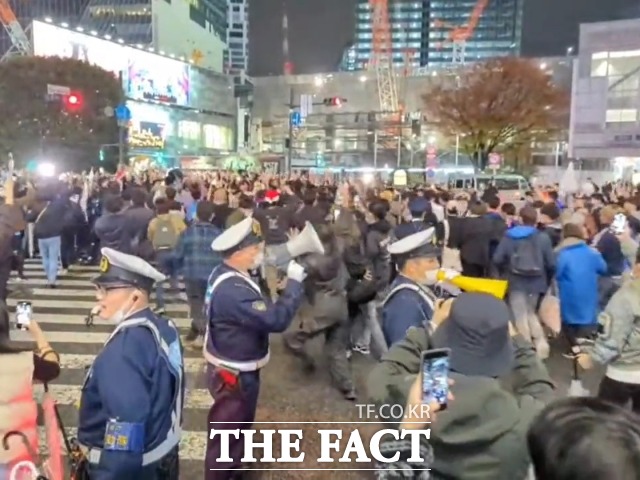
(73, 101)
(334, 101)
(102, 155)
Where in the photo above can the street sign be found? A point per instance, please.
(123, 115)
(432, 157)
(320, 163)
(296, 119)
(58, 90)
(495, 159)
(431, 173)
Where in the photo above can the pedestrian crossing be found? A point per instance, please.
(61, 313)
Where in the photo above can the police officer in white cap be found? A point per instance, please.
(132, 399)
(239, 321)
(410, 301)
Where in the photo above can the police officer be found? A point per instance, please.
(236, 346)
(132, 398)
(417, 207)
(410, 300)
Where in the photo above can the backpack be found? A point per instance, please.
(166, 234)
(526, 259)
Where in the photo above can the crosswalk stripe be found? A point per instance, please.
(192, 446)
(64, 319)
(70, 395)
(172, 308)
(62, 311)
(80, 361)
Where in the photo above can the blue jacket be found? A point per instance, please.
(577, 269)
(506, 249)
(136, 386)
(404, 308)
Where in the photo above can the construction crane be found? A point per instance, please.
(459, 35)
(20, 44)
(382, 56)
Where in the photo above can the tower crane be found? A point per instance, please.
(382, 56)
(20, 44)
(459, 35)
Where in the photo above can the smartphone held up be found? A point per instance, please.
(24, 312)
(435, 376)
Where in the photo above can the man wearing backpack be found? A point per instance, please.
(163, 233)
(525, 258)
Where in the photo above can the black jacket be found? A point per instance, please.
(376, 243)
(50, 220)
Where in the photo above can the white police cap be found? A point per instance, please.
(241, 235)
(119, 269)
(418, 244)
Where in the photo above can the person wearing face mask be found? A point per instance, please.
(236, 345)
(409, 302)
(130, 413)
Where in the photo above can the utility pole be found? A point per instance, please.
(292, 106)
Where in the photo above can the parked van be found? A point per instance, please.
(511, 188)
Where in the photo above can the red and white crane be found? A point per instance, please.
(20, 44)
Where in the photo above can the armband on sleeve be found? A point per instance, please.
(124, 437)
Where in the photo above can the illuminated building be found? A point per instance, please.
(192, 29)
(418, 41)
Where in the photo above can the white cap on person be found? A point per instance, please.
(119, 269)
(419, 244)
(237, 237)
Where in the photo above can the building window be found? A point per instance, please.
(217, 137)
(623, 115)
(189, 132)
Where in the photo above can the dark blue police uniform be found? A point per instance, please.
(133, 395)
(417, 207)
(236, 346)
(407, 303)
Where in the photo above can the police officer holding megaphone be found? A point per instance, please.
(239, 321)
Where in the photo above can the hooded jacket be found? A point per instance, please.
(577, 269)
(506, 249)
(482, 435)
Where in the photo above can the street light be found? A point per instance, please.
(569, 50)
(543, 66)
(363, 78)
(432, 139)
(318, 81)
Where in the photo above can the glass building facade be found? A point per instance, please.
(132, 20)
(498, 33)
(420, 39)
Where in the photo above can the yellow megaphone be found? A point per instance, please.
(497, 288)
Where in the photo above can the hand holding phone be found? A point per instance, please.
(24, 312)
(435, 376)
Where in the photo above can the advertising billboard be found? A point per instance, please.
(152, 77)
(146, 75)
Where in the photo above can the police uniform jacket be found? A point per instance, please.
(131, 405)
(405, 305)
(240, 319)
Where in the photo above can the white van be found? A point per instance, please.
(511, 188)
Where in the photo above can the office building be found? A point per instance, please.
(605, 99)
(68, 11)
(420, 31)
(192, 29)
(237, 53)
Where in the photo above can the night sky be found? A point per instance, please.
(319, 30)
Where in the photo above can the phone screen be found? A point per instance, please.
(23, 315)
(435, 376)
(619, 224)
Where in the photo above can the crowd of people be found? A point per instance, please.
(376, 280)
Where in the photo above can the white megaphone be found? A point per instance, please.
(307, 241)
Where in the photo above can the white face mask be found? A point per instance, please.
(257, 261)
(431, 277)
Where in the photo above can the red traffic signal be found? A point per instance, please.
(73, 101)
(334, 101)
